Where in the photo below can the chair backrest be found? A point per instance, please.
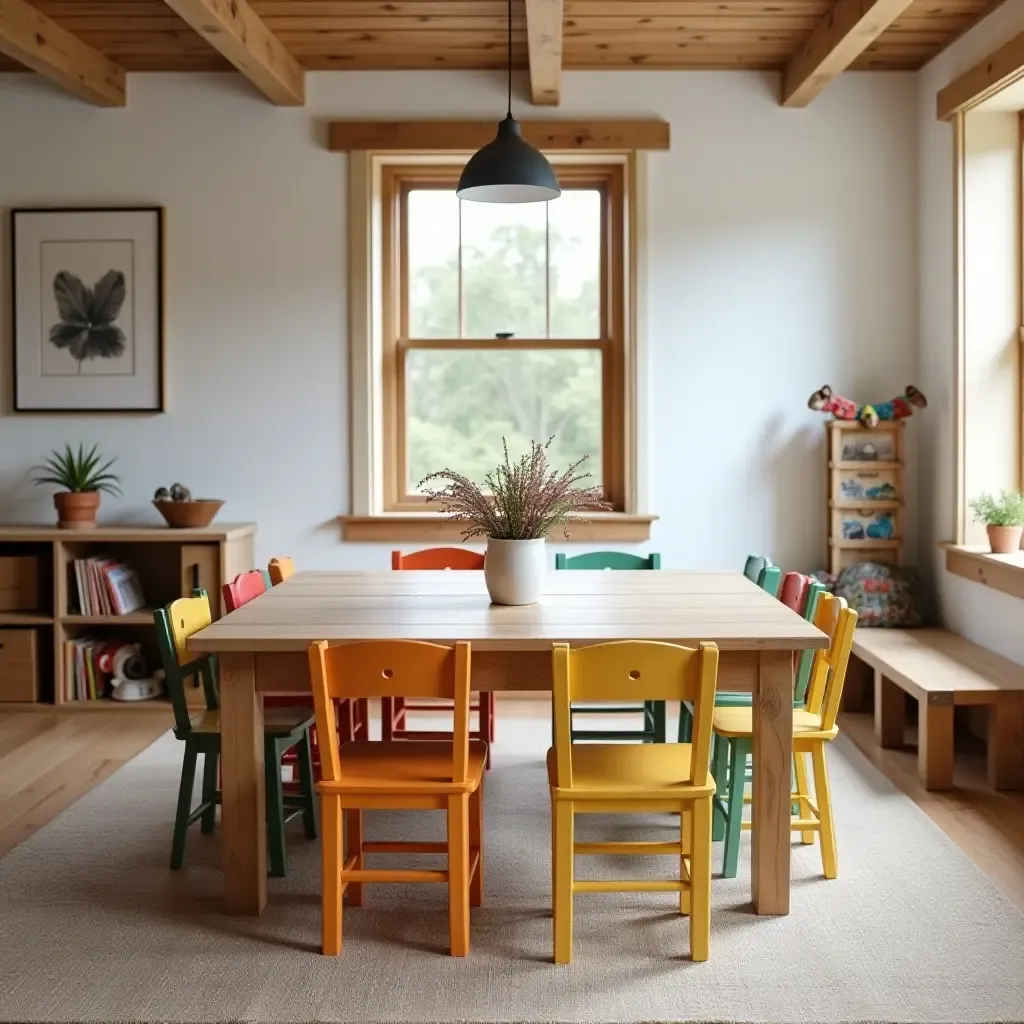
(243, 588)
(389, 668)
(794, 590)
(828, 669)
(805, 659)
(280, 570)
(608, 560)
(753, 566)
(769, 578)
(636, 670)
(438, 558)
(175, 623)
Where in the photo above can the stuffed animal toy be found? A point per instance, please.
(898, 408)
(126, 667)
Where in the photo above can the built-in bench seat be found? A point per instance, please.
(942, 670)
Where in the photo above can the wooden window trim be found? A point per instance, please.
(397, 180)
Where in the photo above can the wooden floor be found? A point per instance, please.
(50, 759)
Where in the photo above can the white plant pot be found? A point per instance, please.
(515, 570)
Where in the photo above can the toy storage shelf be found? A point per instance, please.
(865, 493)
(39, 596)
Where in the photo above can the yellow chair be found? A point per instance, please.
(619, 778)
(813, 727)
(421, 775)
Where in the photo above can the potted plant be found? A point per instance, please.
(82, 478)
(518, 505)
(1003, 516)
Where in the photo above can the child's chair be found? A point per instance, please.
(413, 775)
(653, 712)
(814, 725)
(285, 729)
(280, 569)
(630, 778)
(394, 711)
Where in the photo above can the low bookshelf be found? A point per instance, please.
(39, 609)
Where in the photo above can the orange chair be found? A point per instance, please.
(394, 724)
(280, 569)
(426, 775)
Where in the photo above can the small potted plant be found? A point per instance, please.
(518, 505)
(1003, 516)
(83, 476)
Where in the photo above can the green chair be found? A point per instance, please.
(284, 728)
(653, 730)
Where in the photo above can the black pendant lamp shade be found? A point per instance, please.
(509, 169)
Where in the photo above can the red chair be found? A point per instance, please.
(394, 724)
(244, 588)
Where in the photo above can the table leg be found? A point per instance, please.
(243, 808)
(773, 758)
(1006, 742)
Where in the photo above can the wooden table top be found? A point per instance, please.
(578, 607)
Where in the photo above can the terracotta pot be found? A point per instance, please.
(1004, 540)
(76, 510)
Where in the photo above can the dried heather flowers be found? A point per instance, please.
(520, 500)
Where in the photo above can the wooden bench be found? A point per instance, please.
(941, 670)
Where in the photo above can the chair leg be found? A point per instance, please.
(486, 714)
(354, 848)
(720, 773)
(803, 793)
(362, 727)
(476, 841)
(307, 786)
(827, 830)
(700, 881)
(685, 724)
(346, 712)
(387, 719)
(331, 863)
(208, 822)
(564, 840)
(658, 708)
(686, 850)
(738, 750)
(458, 874)
(275, 810)
(188, 781)
(401, 714)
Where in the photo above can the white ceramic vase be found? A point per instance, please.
(515, 570)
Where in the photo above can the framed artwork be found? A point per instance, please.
(88, 310)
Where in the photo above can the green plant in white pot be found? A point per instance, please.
(1003, 516)
(519, 504)
(82, 476)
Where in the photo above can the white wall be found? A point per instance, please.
(782, 251)
(985, 615)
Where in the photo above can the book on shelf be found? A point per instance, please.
(106, 586)
(84, 679)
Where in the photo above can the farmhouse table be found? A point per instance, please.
(262, 648)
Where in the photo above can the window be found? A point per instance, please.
(501, 321)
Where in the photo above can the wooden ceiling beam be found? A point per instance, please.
(989, 76)
(544, 49)
(468, 136)
(35, 41)
(239, 35)
(849, 28)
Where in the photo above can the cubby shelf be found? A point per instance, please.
(142, 617)
(867, 465)
(25, 619)
(108, 704)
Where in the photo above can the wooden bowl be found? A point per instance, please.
(189, 515)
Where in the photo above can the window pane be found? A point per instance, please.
(504, 269)
(575, 264)
(433, 233)
(459, 405)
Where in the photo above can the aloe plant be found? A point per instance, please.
(78, 471)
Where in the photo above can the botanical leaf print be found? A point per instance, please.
(86, 326)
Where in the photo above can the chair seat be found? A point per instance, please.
(738, 723)
(277, 722)
(408, 766)
(610, 771)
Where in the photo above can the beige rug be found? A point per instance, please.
(94, 927)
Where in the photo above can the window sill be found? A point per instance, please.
(619, 527)
(1000, 572)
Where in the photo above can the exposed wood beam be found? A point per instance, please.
(985, 79)
(34, 40)
(544, 48)
(239, 35)
(459, 136)
(849, 28)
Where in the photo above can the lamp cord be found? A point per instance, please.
(509, 113)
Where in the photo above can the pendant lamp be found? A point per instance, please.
(509, 169)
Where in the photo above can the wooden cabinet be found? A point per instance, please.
(865, 493)
(19, 666)
(170, 564)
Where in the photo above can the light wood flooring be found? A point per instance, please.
(48, 760)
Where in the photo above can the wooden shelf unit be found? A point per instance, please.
(865, 493)
(170, 563)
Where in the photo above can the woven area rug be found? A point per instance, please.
(94, 927)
